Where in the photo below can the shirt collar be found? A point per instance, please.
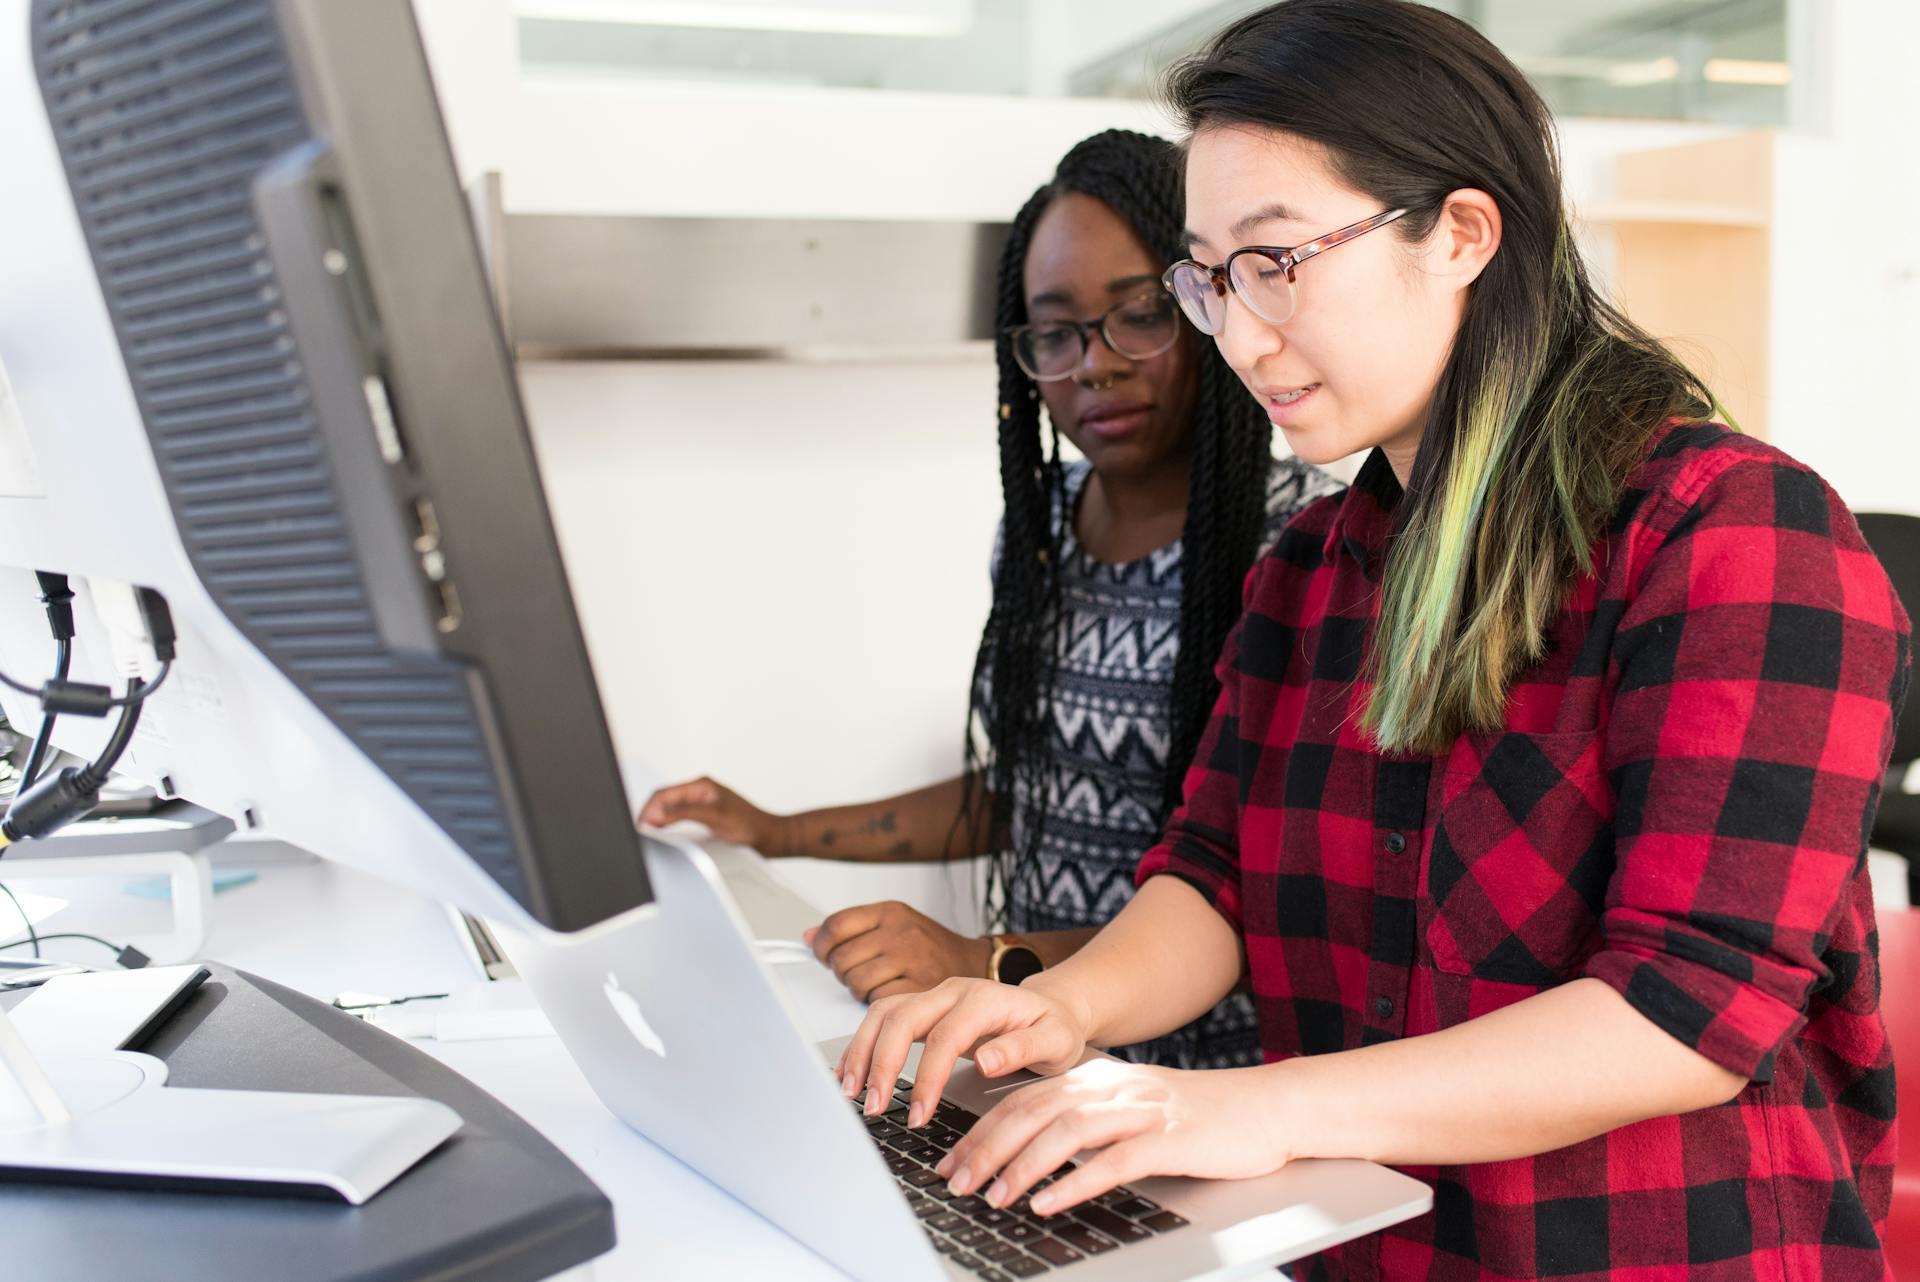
(1366, 513)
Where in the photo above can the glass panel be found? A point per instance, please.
(1710, 60)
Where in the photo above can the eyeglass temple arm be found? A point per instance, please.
(1301, 253)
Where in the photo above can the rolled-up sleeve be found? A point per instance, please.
(1760, 667)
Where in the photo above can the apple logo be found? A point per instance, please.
(629, 1012)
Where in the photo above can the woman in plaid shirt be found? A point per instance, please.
(1534, 803)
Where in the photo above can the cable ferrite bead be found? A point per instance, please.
(50, 804)
(79, 698)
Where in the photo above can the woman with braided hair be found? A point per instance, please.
(1115, 580)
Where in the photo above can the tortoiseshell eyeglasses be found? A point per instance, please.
(1262, 275)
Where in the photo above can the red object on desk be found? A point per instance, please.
(1900, 1007)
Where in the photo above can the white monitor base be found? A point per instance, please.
(108, 1116)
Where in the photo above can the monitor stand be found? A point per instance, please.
(77, 1107)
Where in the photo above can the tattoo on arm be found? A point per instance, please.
(881, 823)
(901, 851)
(828, 837)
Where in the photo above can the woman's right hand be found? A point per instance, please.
(727, 814)
(1004, 1028)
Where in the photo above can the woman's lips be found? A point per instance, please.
(1284, 404)
(1117, 419)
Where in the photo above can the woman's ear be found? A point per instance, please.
(1465, 238)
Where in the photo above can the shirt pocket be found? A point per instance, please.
(1516, 875)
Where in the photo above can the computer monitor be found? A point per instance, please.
(251, 362)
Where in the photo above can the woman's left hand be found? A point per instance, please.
(1138, 1120)
(878, 950)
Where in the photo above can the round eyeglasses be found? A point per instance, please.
(1136, 328)
(1262, 276)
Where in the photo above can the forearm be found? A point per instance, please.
(1167, 959)
(923, 825)
(1564, 1066)
(1055, 946)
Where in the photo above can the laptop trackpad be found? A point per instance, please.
(1011, 1082)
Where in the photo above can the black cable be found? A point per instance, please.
(65, 934)
(33, 936)
(135, 693)
(37, 755)
(96, 772)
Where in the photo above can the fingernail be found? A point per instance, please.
(1042, 1203)
(873, 1101)
(917, 1116)
(806, 936)
(848, 1086)
(997, 1194)
(989, 1062)
(961, 1182)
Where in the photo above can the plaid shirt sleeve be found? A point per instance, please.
(1759, 663)
(1201, 844)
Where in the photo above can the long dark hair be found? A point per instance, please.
(1139, 178)
(1549, 395)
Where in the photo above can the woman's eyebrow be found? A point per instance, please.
(1122, 284)
(1273, 213)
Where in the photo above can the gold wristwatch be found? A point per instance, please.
(1013, 960)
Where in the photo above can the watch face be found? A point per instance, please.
(1017, 963)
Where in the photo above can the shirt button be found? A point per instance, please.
(1383, 1006)
(1396, 843)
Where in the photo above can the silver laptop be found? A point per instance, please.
(679, 1024)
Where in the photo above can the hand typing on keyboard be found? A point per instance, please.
(1137, 1120)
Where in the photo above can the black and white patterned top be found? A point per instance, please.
(1119, 638)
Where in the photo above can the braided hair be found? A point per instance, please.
(1138, 177)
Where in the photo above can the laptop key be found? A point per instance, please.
(927, 1210)
(998, 1251)
(1054, 1252)
(993, 1218)
(1163, 1221)
(1025, 1267)
(1114, 1226)
(1082, 1238)
(945, 1137)
(969, 1205)
(940, 1191)
(993, 1275)
(926, 1154)
(966, 1261)
(1134, 1206)
(947, 1222)
(900, 1164)
(953, 1115)
(920, 1177)
(973, 1236)
(1022, 1232)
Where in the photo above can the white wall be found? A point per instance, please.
(781, 567)
(1846, 268)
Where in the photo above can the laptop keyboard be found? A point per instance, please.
(1013, 1242)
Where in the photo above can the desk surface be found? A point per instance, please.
(323, 929)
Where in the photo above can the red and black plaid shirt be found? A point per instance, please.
(1677, 805)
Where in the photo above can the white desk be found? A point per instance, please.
(324, 929)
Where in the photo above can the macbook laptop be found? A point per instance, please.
(678, 1022)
